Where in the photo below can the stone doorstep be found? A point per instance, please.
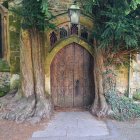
(73, 125)
(71, 132)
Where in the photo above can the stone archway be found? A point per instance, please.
(59, 46)
(72, 77)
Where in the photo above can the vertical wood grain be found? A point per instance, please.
(72, 83)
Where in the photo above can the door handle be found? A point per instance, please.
(77, 83)
(77, 87)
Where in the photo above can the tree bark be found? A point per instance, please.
(26, 67)
(99, 106)
(33, 105)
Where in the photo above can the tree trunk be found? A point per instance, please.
(27, 83)
(34, 105)
(99, 106)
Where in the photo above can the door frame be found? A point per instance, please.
(60, 45)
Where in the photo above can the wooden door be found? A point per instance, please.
(72, 81)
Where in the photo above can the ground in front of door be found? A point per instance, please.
(76, 126)
(128, 130)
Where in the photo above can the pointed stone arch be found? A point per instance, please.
(60, 45)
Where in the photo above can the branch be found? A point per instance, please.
(125, 52)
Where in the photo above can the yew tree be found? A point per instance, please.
(33, 104)
(116, 34)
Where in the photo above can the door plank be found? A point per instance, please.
(69, 75)
(72, 77)
(78, 76)
(60, 78)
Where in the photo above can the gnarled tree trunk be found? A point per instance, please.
(100, 106)
(36, 87)
(105, 81)
(33, 105)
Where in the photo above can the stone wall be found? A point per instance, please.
(60, 6)
(4, 66)
(14, 37)
(132, 83)
(135, 77)
(122, 79)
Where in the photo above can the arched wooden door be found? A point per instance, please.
(72, 81)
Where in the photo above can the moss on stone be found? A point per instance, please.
(4, 67)
(4, 90)
(15, 26)
(14, 41)
(2, 93)
(15, 64)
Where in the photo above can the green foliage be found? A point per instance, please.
(4, 90)
(117, 23)
(136, 96)
(123, 108)
(5, 4)
(34, 14)
(15, 64)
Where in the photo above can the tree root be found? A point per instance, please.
(103, 112)
(25, 109)
(100, 112)
(100, 107)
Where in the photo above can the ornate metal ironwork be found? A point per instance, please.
(74, 29)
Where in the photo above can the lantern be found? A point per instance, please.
(74, 13)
